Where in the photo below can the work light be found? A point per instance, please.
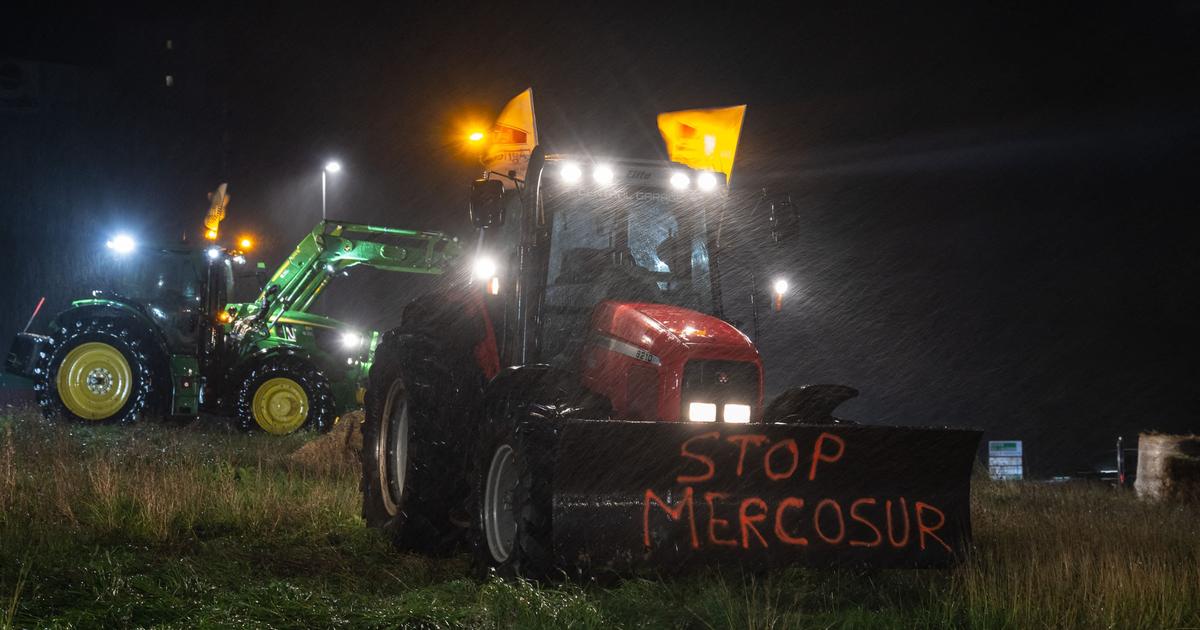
(122, 244)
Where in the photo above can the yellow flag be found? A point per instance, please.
(705, 139)
(512, 139)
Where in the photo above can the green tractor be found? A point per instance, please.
(170, 340)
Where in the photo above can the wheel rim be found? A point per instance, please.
(499, 515)
(392, 448)
(94, 381)
(280, 406)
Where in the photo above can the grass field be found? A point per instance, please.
(166, 525)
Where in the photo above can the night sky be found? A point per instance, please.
(996, 202)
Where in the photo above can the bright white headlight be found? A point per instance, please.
(737, 413)
(603, 175)
(570, 172)
(706, 181)
(781, 286)
(213, 253)
(351, 340)
(702, 412)
(122, 244)
(680, 180)
(484, 268)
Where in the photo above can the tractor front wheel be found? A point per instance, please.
(513, 510)
(284, 394)
(98, 371)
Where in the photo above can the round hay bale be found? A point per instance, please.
(336, 450)
(1168, 467)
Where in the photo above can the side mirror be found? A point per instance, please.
(784, 219)
(487, 203)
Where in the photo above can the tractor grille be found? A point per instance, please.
(719, 382)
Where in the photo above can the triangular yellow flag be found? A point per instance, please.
(705, 139)
(513, 137)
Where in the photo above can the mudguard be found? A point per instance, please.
(676, 495)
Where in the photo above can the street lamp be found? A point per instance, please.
(332, 166)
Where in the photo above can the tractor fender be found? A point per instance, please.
(238, 371)
(111, 307)
(545, 390)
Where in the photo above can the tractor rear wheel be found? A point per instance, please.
(413, 464)
(284, 394)
(98, 371)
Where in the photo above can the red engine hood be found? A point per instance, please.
(640, 350)
(664, 329)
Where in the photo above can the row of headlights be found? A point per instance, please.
(603, 175)
(707, 412)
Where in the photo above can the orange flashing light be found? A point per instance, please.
(224, 317)
(246, 243)
(210, 235)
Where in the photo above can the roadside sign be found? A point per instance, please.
(1005, 460)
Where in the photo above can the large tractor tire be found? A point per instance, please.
(98, 371)
(416, 444)
(284, 394)
(513, 487)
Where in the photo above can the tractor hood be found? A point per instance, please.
(664, 329)
(638, 355)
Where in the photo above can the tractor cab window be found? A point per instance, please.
(167, 278)
(643, 247)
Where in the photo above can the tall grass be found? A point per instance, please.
(201, 526)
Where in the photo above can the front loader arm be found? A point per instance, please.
(335, 246)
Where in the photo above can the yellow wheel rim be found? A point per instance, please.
(280, 406)
(94, 381)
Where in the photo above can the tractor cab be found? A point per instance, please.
(183, 290)
(611, 272)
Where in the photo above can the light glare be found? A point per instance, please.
(737, 413)
(570, 172)
(702, 412)
(351, 339)
(484, 268)
(706, 181)
(333, 166)
(122, 243)
(603, 175)
(680, 180)
(781, 286)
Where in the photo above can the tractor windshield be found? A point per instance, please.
(645, 247)
(167, 278)
(640, 247)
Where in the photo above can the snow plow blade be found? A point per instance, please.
(673, 496)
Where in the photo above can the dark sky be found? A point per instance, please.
(996, 201)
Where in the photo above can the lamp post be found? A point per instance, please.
(330, 167)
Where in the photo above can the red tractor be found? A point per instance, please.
(580, 403)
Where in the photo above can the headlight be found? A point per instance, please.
(122, 243)
(702, 412)
(484, 268)
(706, 181)
(603, 175)
(680, 180)
(570, 172)
(213, 253)
(781, 286)
(351, 340)
(737, 413)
